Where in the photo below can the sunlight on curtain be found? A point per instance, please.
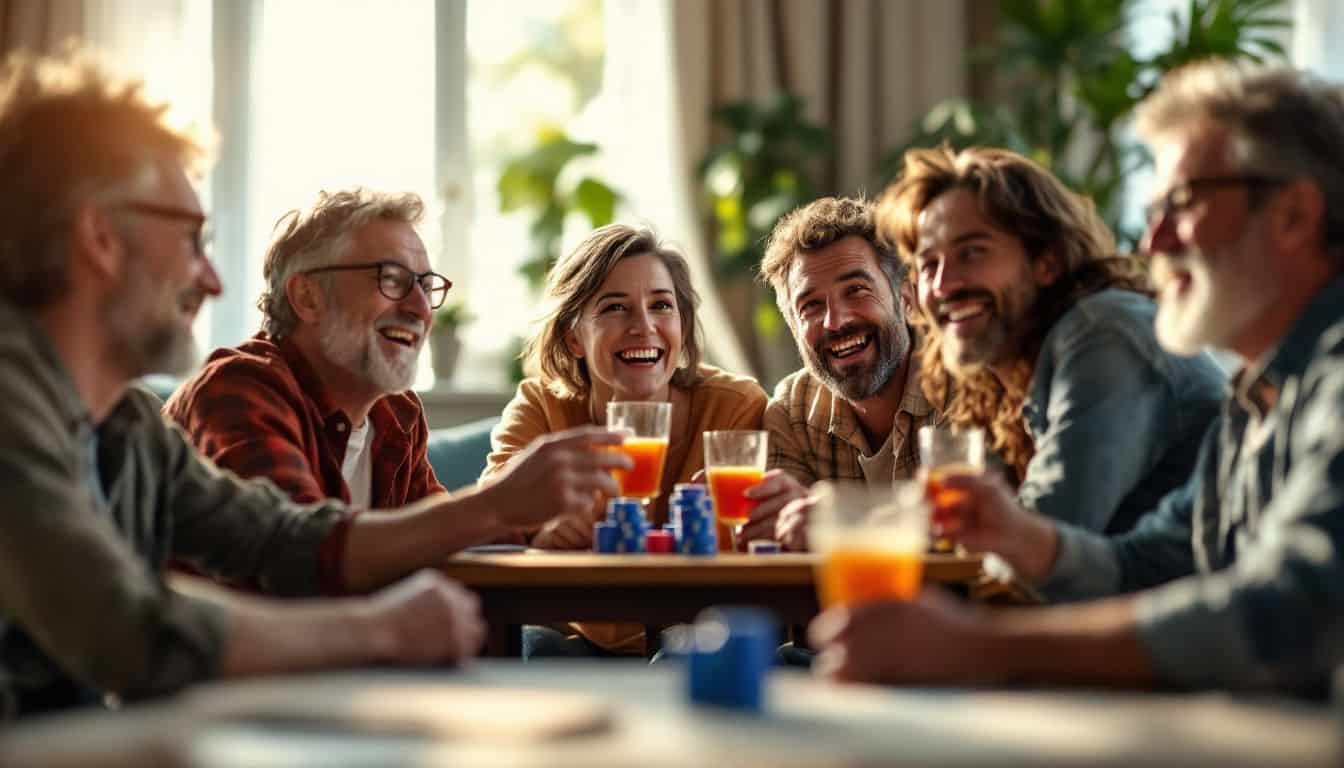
(639, 128)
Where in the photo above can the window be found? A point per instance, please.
(405, 95)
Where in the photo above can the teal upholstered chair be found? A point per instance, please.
(458, 453)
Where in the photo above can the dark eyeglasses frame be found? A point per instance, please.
(1181, 196)
(201, 234)
(384, 266)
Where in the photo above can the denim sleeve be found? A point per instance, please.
(1107, 417)
(1275, 617)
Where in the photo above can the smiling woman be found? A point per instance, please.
(623, 328)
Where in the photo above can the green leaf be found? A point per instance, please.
(596, 200)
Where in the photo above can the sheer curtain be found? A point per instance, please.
(40, 26)
(867, 69)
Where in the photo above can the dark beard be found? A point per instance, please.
(892, 344)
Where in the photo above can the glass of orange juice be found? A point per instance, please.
(871, 541)
(943, 451)
(734, 462)
(646, 427)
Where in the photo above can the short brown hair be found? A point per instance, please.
(70, 133)
(815, 226)
(577, 278)
(319, 237)
(1027, 201)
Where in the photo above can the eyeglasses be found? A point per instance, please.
(395, 281)
(200, 234)
(1182, 196)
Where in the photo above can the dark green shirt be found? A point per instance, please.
(84, 609)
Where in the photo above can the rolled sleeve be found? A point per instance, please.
(273, 545)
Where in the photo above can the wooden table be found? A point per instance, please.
(336, 721)
(543, 587)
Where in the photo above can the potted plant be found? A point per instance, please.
(1069, 81)
(445, 345)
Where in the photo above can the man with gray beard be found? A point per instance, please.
(319, 402)
(851, 413)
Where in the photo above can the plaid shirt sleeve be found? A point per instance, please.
(244, 418)
(788, 448)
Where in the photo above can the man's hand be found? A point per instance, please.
(772, 494)
(979, 511)
(425, 619)
(932, 639)
(791, 528)
(566, 532)
(558, 475)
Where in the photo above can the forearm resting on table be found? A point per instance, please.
(1094, 643)
(268, 637)
(383, 546)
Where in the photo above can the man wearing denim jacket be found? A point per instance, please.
(1036, 331)
(1237, 579)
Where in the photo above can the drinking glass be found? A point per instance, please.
(646, 427)
(943, 451)
(734, 462)
(871, 540)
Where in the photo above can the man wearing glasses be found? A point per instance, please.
(320, 401)
(1237, 578)
(102, 273)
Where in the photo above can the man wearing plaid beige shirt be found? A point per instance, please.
(852, 411)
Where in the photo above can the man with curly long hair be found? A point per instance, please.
(1037, 331)
(1236, 580)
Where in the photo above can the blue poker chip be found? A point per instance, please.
(763, 547)
(622, 508)
(606, 538)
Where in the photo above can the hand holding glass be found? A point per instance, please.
(943, 452)
(646, 427)
(872, 541)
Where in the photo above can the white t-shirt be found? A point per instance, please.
(357, 466)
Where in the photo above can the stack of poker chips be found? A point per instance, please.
(631, 525)
(699, 534)
(683, 494)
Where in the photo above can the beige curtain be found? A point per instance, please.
(41, 26)
(867, 69)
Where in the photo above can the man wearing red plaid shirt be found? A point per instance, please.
(319, 401)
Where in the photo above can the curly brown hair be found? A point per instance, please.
(1022, 198)
(814, 226)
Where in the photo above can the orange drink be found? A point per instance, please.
(726, 487)
(856, 575)
(871, 539)
(734, 461)
(645, 479)
(939, 496)
(646, 427)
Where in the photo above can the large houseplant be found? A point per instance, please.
(1067, 79)
(762, 169)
